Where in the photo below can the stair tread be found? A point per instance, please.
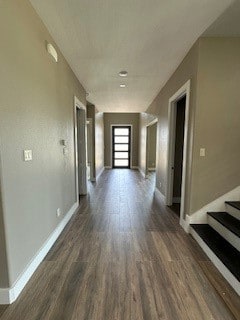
(235, 204)
(227, 221)
(229, 256)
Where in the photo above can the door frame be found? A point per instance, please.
(147, 133)
(172, 112)
(83, 190)
(111, 138)
(90, 123)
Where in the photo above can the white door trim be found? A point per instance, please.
(183, 91)
(92, 164)
(111, 137)
(146, 146)
(79, 105)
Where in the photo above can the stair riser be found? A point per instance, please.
(233, 211)
(224, 232)
(217, 262)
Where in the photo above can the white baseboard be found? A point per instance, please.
(218, 204)
(134, 167)
(108, 167)
(142, 173)
(159, 196)
(233, 211)
(99, 174)
(217, 262)
(151, 169)
(185, 224)
(9, 295)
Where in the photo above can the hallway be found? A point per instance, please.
(122, 256)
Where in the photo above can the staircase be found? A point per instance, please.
(220, 239)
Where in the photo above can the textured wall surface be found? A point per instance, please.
(217, 124)
(187, 70)
(36, 112)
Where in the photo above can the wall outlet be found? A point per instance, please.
(202, 152)
(65, 151)
(58, 212)
(27, 155)
(160, 184)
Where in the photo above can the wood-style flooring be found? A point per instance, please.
(121, 257)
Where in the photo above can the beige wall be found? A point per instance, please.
(121, 118)
(217, 125)
(36, 112)
(152, 138)
(213, 65)
(99, 142)
(186, 70)
(144, 120)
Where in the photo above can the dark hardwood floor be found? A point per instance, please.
(121, 257)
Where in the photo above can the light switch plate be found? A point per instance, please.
(202, 152)
(27, 155)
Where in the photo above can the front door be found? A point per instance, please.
(121, 142)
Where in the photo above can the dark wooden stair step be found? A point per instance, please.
(229, 256)
(227, 221)
(234, 204)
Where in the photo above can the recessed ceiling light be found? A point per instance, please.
(122, 85)
(123, 73)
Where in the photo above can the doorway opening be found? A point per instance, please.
(80, 135)
(178, 154)
(121, 146)
(178, 115)
(90, 151)
(151, 147)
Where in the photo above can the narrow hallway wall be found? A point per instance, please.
(36, 113)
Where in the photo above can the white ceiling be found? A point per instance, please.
(148, 38)
(228, 24)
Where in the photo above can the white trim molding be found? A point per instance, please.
(81, 186)
(218, 205)
(172, 112)
(142, 173)
(9, 295)
(159, 196)
(108, 167)
(100, 172)
(217, 262)
(153, 122)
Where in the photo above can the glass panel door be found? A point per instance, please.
(121, 137)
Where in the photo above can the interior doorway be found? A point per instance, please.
(151, 147)
(178, 154)
(80, 135)
(121, 146)
(90, 151)
(178, 115)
